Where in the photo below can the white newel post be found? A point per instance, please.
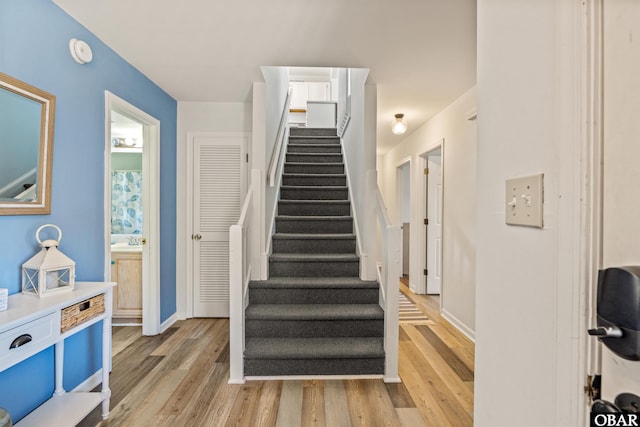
(392, 277)
(236, 317)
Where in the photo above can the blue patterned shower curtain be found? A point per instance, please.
(126, 202)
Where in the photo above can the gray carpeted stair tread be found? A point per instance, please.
(300, 136)
(316, 202)
(313, 132)
(313, 187)
(314, 175)
(314, 164)
(293, 144)
(309, 236)
(321, 312)
(297, 257)
(292, 147)
(314, 217)
(314, 282)
(314, 348)
(319, 168)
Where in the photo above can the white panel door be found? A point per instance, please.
(434, 226)
(621, 176)
(218, 188)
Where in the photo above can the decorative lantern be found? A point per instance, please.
(49, 271)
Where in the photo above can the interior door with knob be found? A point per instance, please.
(620, 207)
(434, 224)
(219, 185)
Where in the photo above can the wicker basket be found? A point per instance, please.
(79, 313)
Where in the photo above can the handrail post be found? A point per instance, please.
(236, 306)
(392, 277)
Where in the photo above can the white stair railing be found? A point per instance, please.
(389, 270)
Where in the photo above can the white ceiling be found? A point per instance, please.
(421, 53)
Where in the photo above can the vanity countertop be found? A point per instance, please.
(125, 247)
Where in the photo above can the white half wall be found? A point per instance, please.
(276, 86)
(459, 204)
(359, 153)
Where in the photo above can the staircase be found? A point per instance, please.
(314, 316)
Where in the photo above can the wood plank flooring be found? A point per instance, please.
(180, 378)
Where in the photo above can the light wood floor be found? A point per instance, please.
(180, 378)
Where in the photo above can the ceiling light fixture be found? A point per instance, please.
(399, 124)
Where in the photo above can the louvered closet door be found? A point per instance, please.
(219, 172)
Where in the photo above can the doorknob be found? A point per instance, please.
(196, 236)
(144, 241)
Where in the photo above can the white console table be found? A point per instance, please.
(32, 323)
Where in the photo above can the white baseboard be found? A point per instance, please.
(90, 383)
(182, 316)
(466, 331)
(168, 323)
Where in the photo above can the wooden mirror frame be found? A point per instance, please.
(42, 202)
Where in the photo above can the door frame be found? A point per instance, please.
(151, 207)
(400, 184)
(184, 252)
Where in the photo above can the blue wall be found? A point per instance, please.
(34, 38)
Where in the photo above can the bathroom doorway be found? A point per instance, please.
(132, 214)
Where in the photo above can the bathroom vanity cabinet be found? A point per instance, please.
(126, 270)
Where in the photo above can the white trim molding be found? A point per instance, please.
(151, 208)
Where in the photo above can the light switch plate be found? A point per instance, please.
(524, 201)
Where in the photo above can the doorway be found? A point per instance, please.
(403, 204)
(433, 221)
(131, 184)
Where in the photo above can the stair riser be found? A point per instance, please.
(315, 209)
(316, 168)
(313, 296)
(270, 367)
(314, 193)
(314, 269)
(314, 180)
(312, 158)
(314, 226)
(313, 140)
(318, 246)
(313, 329)
(295, 131)
(313, 148)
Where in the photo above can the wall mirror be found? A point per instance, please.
(26, 147)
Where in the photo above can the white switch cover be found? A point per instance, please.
(524, 200)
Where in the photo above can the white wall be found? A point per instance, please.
(276, 86)
(528, 349)
(198, 117)
(360, 158)
(621, 213)
(406, 193)
(459, 220)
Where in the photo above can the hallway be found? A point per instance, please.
(180, 379)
